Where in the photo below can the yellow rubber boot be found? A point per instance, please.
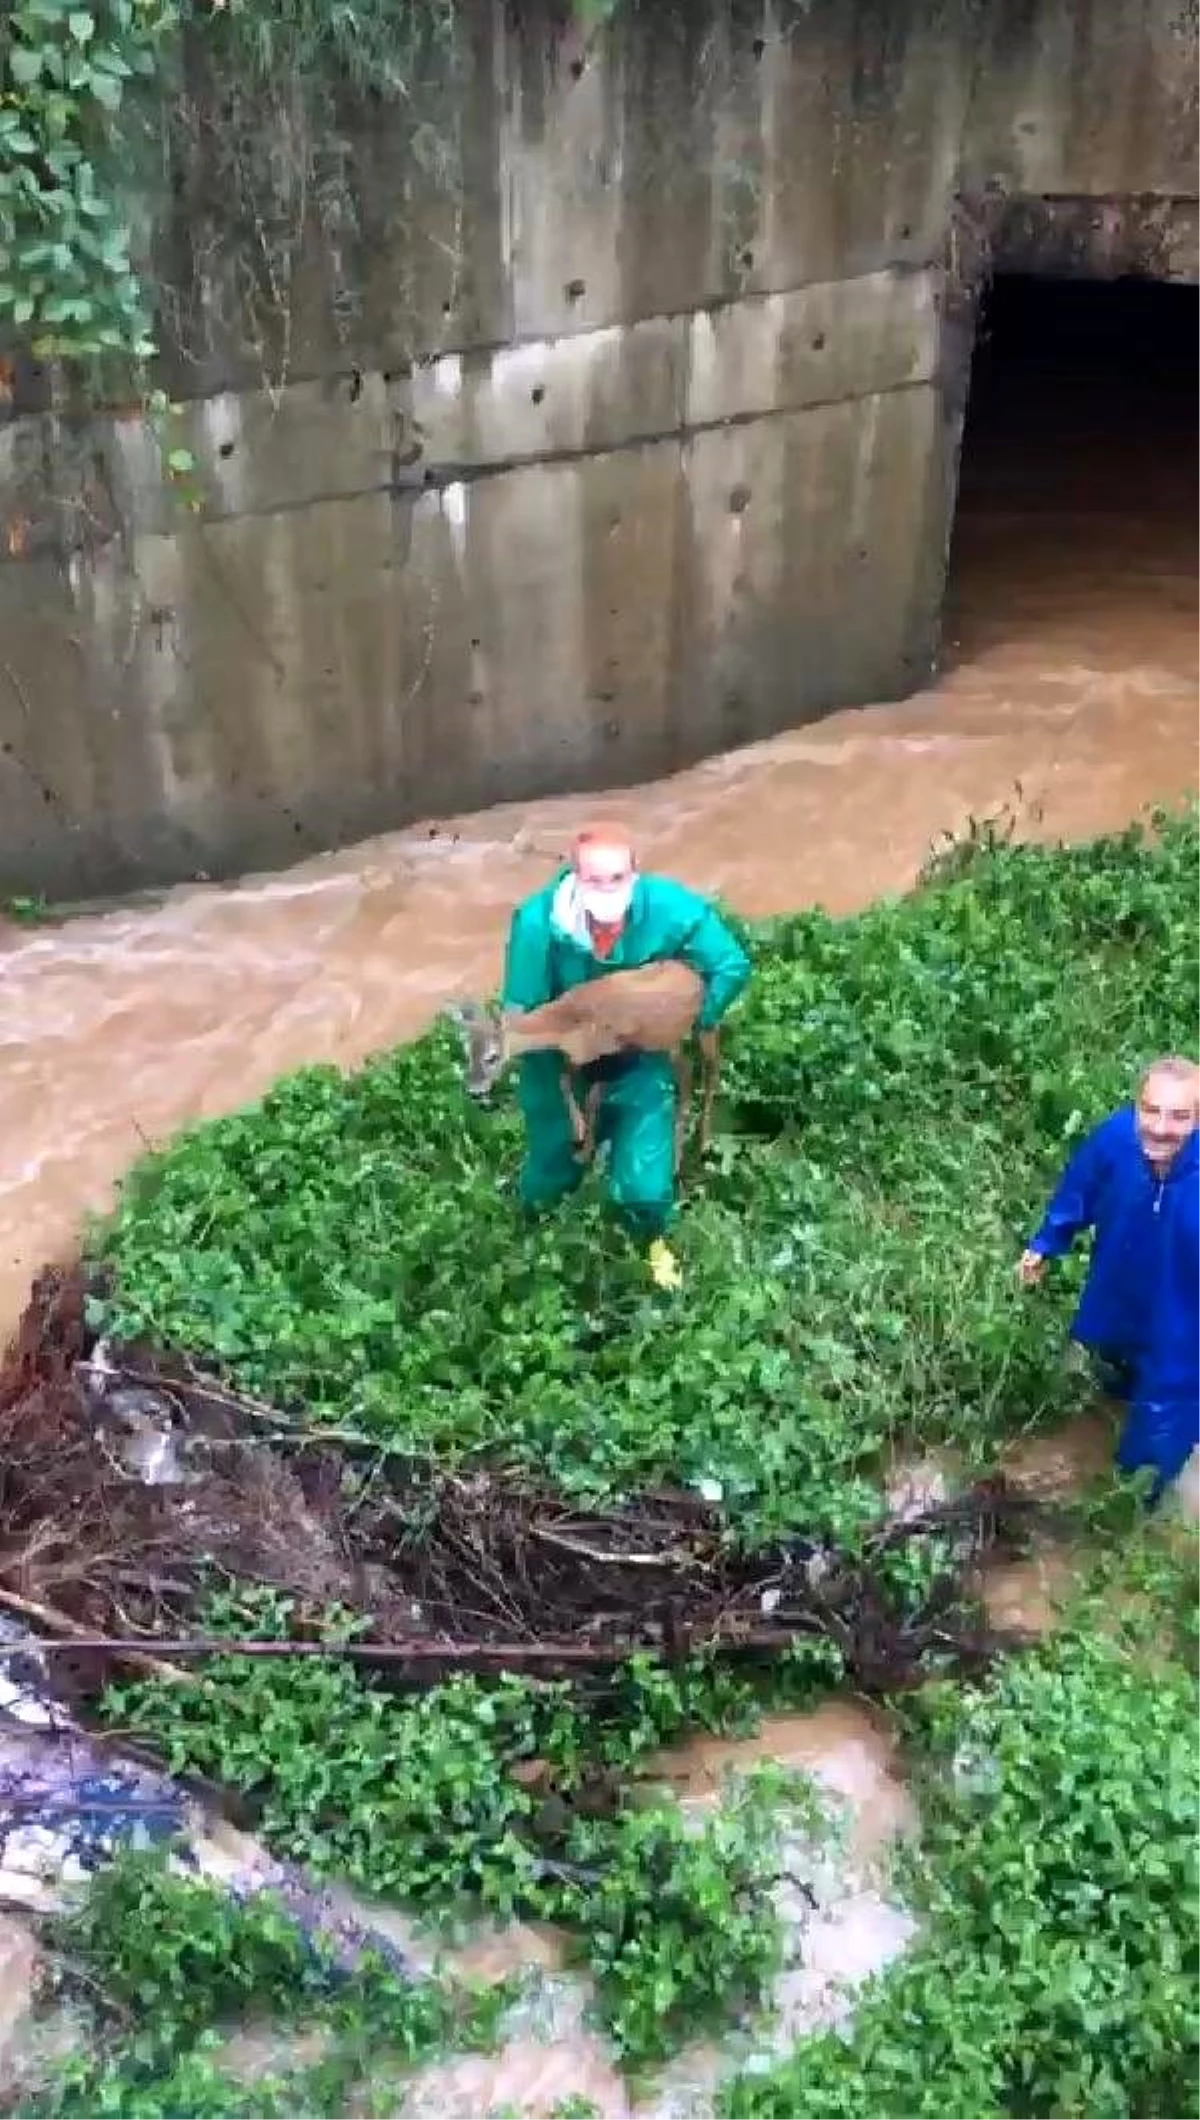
(664, 1266)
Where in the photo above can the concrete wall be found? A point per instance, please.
(620, 429)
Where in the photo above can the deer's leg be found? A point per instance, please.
(710, 1067)
(583, 1119)
(579, 1122)
(591, 1106)
(683, 1103)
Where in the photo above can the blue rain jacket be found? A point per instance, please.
(1141, 1301)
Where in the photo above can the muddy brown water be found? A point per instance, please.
(1072, 648)
(1071, 675)
(119, 1029)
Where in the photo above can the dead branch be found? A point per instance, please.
(473, 1570)
(67, 1635)
(593, 1553)
(465, 1655)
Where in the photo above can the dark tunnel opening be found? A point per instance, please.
(1077, 501)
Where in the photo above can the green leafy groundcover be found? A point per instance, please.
(1059, 1883)
(1054, 1976)
(416, 1800)
(900, 1091)
(168, 1966)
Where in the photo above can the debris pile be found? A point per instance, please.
(131, 1482)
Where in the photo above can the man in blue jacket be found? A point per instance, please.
(1135, 1183)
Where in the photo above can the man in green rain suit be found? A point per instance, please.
(599, 915)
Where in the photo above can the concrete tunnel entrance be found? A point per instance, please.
(1077, 504)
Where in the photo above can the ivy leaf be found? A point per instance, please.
(181, 461)
(106, 89)
(13, 134)
(81, 25)
(110, 62)
(25, 65)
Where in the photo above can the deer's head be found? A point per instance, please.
(482, 1033)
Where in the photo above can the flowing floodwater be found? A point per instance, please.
(851, 1932)
(1072, 675)
(1071, 678)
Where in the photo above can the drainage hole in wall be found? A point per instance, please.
(575, 290)
(818, 344)
(759, 46)
(739, 500)
(226, 450)
(537, 393)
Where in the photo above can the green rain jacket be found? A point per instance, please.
(665, 920)
(548, 953)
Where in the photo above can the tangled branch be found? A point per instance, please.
(129, 1489)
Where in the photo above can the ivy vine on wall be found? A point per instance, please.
(75, 77)
(66, 277)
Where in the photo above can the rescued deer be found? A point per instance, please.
(650, 1009)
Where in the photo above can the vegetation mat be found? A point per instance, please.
(397, 1420)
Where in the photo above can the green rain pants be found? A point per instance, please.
(636, 1121)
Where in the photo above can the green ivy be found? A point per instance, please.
(411, 1800)
(75, 224)
(679, 1932)
(1057, 1883)
(415, 1799)
(66, 71)
(900, 1090)
(165, 1967)
(26, 911)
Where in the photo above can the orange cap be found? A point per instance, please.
(602, 836)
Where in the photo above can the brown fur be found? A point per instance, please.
(650, 1009)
